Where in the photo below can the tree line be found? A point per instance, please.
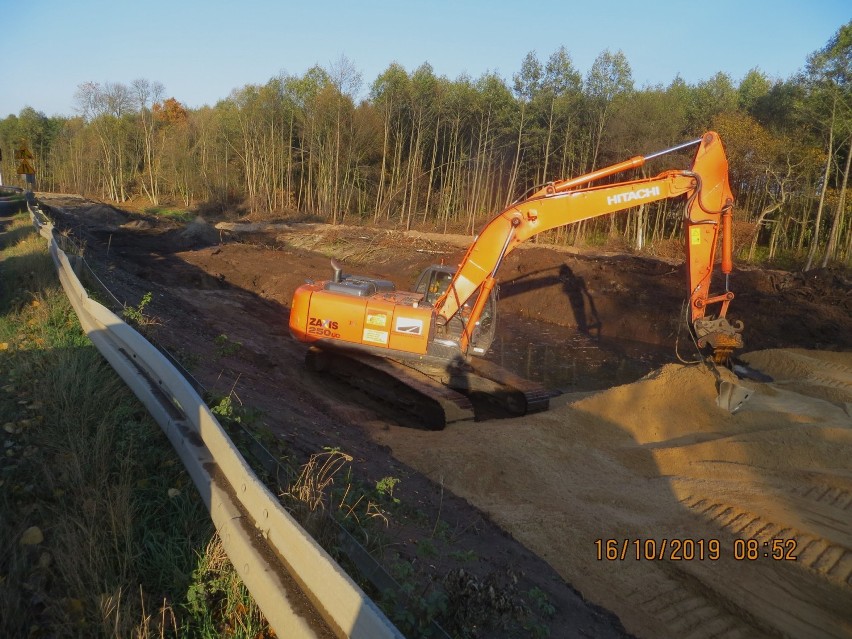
(423, 150)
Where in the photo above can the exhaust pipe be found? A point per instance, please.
(337, 267)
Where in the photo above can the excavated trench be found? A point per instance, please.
(569, 361)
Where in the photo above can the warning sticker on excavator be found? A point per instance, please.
(379, 337)
(408, 325)
(695, 235)
(377, 319)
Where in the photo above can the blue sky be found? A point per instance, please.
(200, 50)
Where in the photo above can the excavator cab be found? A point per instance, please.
(433, 283)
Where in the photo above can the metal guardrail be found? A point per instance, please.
(299, 588)
(11, 200)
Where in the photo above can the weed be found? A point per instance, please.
(225, 409)
(225, 347)
(464, 555)
(178, 215)
(481, 603)
(441, 530)
(413, 612)
(136, 315)
(536, 630)
(426, 548)
(188, 360)
(786, 260)
(218, 598)
(236, 413)
(541, 602)
(385, 488)
(400, 568)
(325, 496)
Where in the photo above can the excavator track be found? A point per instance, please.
(527, 396)
(493, 389)
(423, 400)
(431, 395)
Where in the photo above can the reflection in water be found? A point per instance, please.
(570, 361)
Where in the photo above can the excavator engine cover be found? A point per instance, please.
(360, 286)
(361, 312)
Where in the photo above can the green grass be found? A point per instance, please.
(786, 260)
(122, 545)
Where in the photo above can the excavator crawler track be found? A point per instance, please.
(433, 395)
(422, 400)
(526, 395)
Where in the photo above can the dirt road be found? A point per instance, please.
(720, 525)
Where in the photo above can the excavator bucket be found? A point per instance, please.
(732, 396)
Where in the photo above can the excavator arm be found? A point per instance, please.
(709, 209)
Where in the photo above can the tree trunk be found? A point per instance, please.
(549, 138)
(380, 192)
(837, 223)
(516, 164)
(432, 168)
(760, 219)
(815, 239)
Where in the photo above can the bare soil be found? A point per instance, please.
(650, 460)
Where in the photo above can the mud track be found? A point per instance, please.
(647, 462)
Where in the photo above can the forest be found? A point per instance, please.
(418, 150)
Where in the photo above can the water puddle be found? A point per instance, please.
(569, 361)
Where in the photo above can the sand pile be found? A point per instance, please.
(200, 232)
(670, 403)
(658, 460)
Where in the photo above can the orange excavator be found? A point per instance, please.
(430, 339)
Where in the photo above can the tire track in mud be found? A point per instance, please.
(822, 373)
(824, 557)
(824, 493)
(700, 599)
(810, 513)
(805, 372)
(810, 507)
(821, 570)
(685, 610)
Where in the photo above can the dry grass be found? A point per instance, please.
(325, 495)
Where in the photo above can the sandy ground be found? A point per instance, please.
(658, 460)
(720, 524)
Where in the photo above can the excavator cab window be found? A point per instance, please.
(433, 282)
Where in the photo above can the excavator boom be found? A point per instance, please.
(710, 204)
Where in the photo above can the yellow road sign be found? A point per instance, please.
(23, 153)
